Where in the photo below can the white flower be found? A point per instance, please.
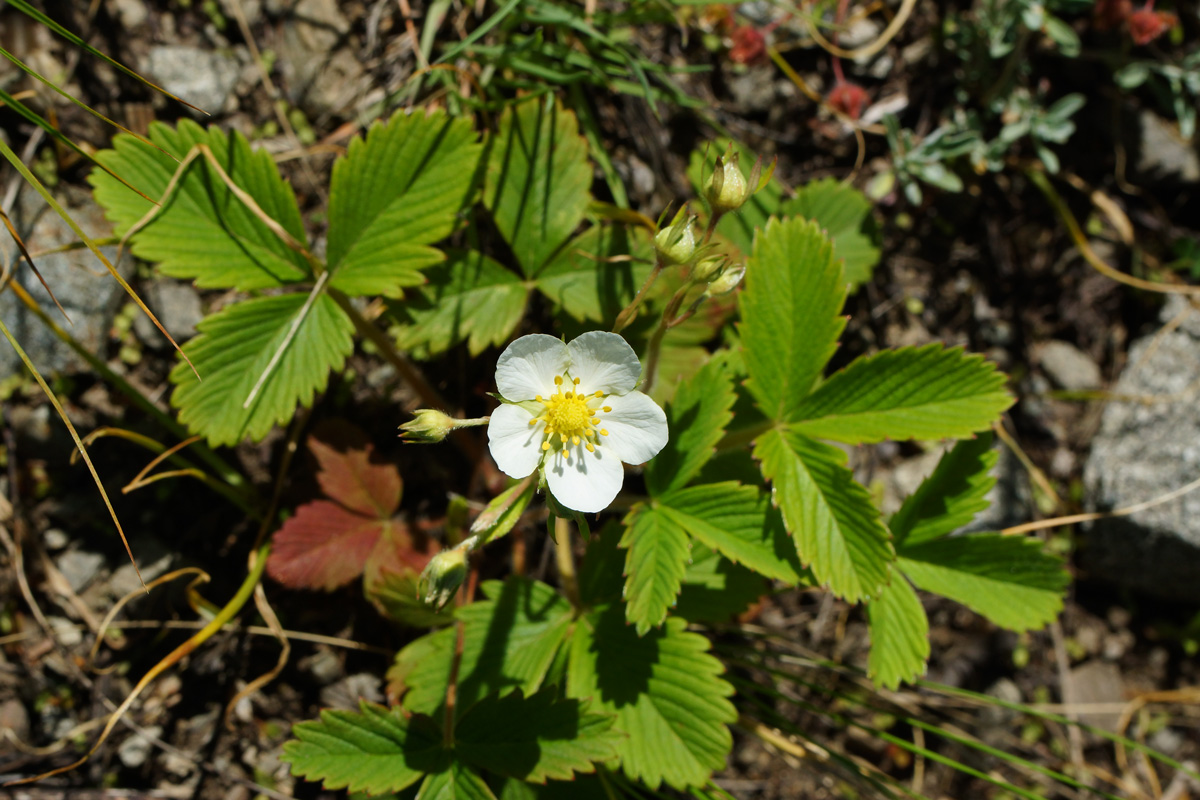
(572, 410)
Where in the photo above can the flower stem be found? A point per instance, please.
(566, 559)
(627, 314)
(654, 348)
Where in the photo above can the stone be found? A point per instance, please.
(1148, 445)
(177, 306)
(153, 560)
(55, 539)
(1067, 366)
(134, 751)
(79, 567)
(81, 283)
(14, 717)
(1163, 156)
(204, 78)
(318, 75)
(349, 690)
(1096, 683)
(753, 90)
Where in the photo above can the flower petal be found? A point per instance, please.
(604, 362)
(527, 367)
(515, 444)
(584, 481)
(637, 427)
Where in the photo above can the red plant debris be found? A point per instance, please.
(848, 98)
(1146, 24)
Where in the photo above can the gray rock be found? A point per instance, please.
(153, 560)
(1095, 683)
(79, 567)
(134, 751)
(204, 78)
(55, 538)
(349, 690)
(177, 306)
(318, 75)
(1162, 154)
(1067, 366)
(81, 283)
(15, 718)
(1147, 446)
(753, 90)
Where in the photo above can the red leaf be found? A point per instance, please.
(398, 551)
(1146, 24)
(348, 476)
(323, 547)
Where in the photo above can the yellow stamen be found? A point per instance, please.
(545, 445)
(591, 447)
(603, 432)
(606, 409)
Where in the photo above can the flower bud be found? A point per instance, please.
(708, 268)
(726, 283)
(676, 243)
(443, 575)
(427, 426)
(727, 189)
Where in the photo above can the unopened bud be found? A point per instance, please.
(726, 283)
(727, 189)
(708, 268)
(443, 575)
(427, 426)
(676, 243)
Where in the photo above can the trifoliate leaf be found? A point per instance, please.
(844, 213)
(470, 297)
(899, 634)
(950, 497)
(738, 521)
(715, 589)
(664, 688)
(233, 350)
(790, 323)
(696, 419)
(374, 750)
(1007, 579)
(324, 546)
(658, 550)
(837, 529)
(597, 273)
(535, 738)
(394, 194)
(456, 782)
(538, 180)
(911, 393)
(204, 232)
(509, 641)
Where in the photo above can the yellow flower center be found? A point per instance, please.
(571, 416)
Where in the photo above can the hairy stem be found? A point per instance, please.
(630, 311)
(566, 560)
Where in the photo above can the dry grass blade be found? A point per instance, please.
(16, 237)
(112, 612)
(318, 287)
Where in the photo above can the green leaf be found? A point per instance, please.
(455, 782)
(601, 575)
(538, 180)
(715, 589)
(204, 232)
(535, 738)
(838, 532)
(470, 297)
(664, 688)
(582, 788)
(739, 522)
(950, 497)
(394, 194)
(658, 550)
(597, 273)
(911, 393)
(1007, 579)
(509, 641)
(374, 750)
(503, 512)
(899, 635)
(232, 352)
(845, 215)
(790, 323)
(696, 419)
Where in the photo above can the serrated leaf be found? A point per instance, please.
(350, 476)
(456, 782)
(597, 273)
(232, 352)
(323, 546)
(204, 232)
(538, 180)
(845, 215)
(837, 529)
(899, 635)
(1007, 579)
(950, 497)
(657, 553)
(715, 589)
(374, 750)
(664, 688)
(911, 393)
(696, 421)
(535, 738)
(739, 522)
(790, 323)
(509, 641)
(396, 192)
(469, 298)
